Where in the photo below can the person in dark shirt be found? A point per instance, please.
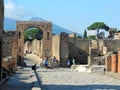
(34, 67)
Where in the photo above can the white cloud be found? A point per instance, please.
(15, 11)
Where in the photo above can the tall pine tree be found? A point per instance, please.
(85, 34)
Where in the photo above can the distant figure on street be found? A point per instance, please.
(104, 71)
(34, 67)
(68, 63)
(54, 61)
(46, 62)
(41, 62)
(73, 61)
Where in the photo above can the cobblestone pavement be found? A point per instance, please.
(64, 79)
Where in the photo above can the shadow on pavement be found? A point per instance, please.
(80, 87)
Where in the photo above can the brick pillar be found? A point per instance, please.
(64, 49)
(114, 62)
(108, 63)
(119, 63)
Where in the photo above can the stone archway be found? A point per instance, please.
(46, 27)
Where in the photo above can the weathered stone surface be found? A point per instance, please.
(56, 47)
(64, 49)
(112, 45)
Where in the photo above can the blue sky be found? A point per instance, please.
(75, 15)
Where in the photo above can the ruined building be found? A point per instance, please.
(65, 46)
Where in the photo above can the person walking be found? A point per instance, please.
(54, 61)
(46, 62)
(73, 61)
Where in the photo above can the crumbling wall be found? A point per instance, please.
(112, 45)
(7, 46)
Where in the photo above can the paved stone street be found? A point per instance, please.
(64, 79)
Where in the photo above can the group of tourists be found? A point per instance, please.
(44, 63)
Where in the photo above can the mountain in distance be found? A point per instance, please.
(10, 24)
(56, 29)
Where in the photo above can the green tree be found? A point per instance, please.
(85, 34)
(32, 33)
(97, 26)
(93, 37)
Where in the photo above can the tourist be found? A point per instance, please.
(54, 61)
(104, 71)
(34, 67)
(73, 61)
(43, 63)
(68, 63)
(46, 62)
